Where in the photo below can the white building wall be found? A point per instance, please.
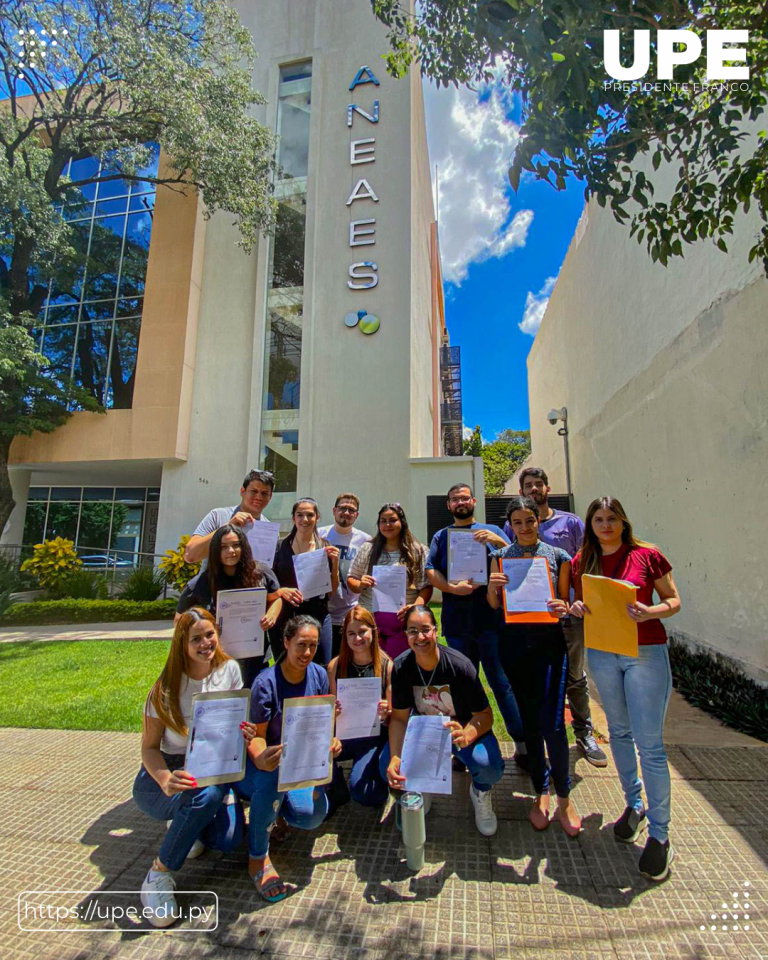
(365, 400)
(663, 374)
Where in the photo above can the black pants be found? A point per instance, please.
(535, 660)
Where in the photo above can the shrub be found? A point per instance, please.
(714, 683)
(83, 585)
(175, 568)
(41, 612)
(143, 584)
(52, 562)
(11, 575)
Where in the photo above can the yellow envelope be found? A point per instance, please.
(608, 626)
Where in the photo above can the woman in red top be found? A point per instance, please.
(634, 691)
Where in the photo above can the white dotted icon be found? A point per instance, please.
(734, 916)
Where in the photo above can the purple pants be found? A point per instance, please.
(392, 637)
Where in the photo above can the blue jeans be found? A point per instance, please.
(366, 784)
(484, 649)
(305, 808)
(196, 814)
(635, 693)
(482, 759)
(536, 662)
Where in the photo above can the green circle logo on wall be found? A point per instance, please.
(369, 324)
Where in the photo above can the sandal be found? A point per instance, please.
(272, 883)
(539, 819)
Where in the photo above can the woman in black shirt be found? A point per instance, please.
(231, 567)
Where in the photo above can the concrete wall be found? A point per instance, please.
(663, 374)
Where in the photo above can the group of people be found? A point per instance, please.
(530, 667)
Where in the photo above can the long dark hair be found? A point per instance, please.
(591, 551)
(408, 543)
(247, 574)
(319, 542)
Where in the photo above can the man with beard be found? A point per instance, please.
(468, 622)
(343, 534)
(565, 530)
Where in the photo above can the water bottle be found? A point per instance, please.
(410, 808)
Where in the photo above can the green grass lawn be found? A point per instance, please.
(96, 684)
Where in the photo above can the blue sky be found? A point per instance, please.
(501, 251)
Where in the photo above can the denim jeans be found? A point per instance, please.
(536, 662)
(578, 685)
(196, 814)
(635, 693)
(366, 784)
(484, 649)
(305, 808)
(482, 759)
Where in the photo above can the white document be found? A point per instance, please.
(427, 753)
(239, 614)
(263, 537)
(215, 745)
(467, 557)
(529, 585)
(359, 698)
(389, 592)
(313, 573)
(307, 735)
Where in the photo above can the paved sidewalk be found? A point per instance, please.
(69, 824)
(137, 630)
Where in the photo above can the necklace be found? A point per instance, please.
(428, 682)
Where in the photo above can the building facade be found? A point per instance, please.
(662, 372)
(322, 356)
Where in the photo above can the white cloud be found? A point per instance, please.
(535, 307)
(472, 142)
(466, 432)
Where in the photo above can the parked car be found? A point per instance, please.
(102, 561)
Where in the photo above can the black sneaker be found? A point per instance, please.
(655, 859)
(591, 751)
(630, 825)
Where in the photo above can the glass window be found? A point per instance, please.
(283, 360)
(34, 522)
(281, 449)
(288, 243)
(113, 234)
(65, 493)
(153, 493)
(130, 494)
(38, 493)
(62, 521)
(95, 524)
(98, 493)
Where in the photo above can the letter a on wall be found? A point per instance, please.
(363, 75)
(363, 190)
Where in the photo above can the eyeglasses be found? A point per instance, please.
(414, 632)
(460, 500)
(347, 509)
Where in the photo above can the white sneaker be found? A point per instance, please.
(485, 818)
(198, 847)
(157, 896)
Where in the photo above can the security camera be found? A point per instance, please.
(553, 416)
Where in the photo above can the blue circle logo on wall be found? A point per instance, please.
(367, 322)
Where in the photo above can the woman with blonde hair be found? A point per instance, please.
(361, 656)
(634, 691)
(198, 816)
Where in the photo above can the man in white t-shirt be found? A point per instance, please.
(255, 494)
(344, 535)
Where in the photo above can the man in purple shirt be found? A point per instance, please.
(565, 530)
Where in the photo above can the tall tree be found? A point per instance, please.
(551, 53)
(501, 457)
(107, 78)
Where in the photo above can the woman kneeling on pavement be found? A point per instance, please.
(535, 659)
(432, 679)
(634, 691)
(198, 817)
(361, 656)
(294, 675)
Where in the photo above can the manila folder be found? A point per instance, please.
(608, 626)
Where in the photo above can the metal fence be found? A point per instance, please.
(115, 565)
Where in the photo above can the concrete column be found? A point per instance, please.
(14, 529)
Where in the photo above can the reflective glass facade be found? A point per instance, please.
(285, 295)
(90, 321)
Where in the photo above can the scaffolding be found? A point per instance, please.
(450, 406)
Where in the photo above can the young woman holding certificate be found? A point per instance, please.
(634, 690)
(163, 789)
(294, 676)
(535, 660)
(303, 539)
(393, 545)
(361, 657)
(231, 567)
